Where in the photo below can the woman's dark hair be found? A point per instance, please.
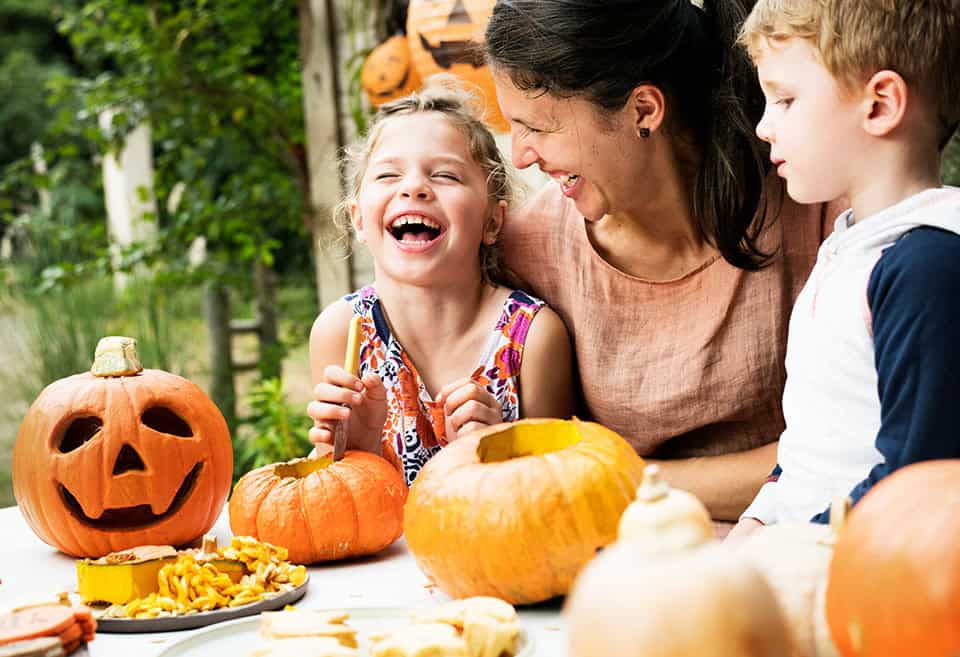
(602, 49)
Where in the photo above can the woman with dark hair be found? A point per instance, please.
(668, 250)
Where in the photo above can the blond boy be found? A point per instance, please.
(861, 97)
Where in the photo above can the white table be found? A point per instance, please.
(30, 571)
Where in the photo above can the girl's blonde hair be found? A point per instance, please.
(445, 96)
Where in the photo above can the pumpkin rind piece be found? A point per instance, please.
(515, 510)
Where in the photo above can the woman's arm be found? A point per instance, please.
(726, 484)
(546, 371)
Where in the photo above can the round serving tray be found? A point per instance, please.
(201, 618)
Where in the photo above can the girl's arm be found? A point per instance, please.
(339, 395)
(546, 371)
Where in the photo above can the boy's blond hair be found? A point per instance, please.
(918, 39)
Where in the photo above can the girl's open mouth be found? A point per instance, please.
(415, 232)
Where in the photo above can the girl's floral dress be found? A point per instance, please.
(415, 428)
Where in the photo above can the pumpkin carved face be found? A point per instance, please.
(444, 37)
(388, 73)
(106, 463)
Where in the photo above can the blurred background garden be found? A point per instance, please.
(167, 169)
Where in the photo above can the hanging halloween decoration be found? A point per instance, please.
(388, 72)
(121, 456)
(443, 36)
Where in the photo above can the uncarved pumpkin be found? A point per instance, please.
(515, 510)
(444, 35)
(894, 582)
(700, 601)
(388, 72)
(122, 458)
(321, 509)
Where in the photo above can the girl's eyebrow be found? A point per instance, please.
(440, 158)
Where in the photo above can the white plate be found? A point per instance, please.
(238, 637)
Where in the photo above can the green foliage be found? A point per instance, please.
(275, 431)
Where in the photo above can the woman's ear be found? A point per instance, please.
(885, 96)
(491, 231)
(646, 109)
(356, 220)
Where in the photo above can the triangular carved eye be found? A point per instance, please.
(127, 460)
(79, 432)
(166, 421)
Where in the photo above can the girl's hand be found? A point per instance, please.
(468, 406)
(742, 529)
(343, 396)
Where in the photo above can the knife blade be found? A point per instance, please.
(351, 363)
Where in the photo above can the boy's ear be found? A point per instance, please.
(356, 219)
(646, 108)
(886, 94)
(491, 232)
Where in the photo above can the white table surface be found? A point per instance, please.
(31, 571)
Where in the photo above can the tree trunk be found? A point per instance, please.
(324, 140)
(222, 390)
(270, 349)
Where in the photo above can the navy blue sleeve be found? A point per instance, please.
(914, 297)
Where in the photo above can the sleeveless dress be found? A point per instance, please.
(415, 428)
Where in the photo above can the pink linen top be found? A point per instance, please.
(688, 367)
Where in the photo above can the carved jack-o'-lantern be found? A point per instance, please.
(443, 37)
(121, 456)
(388, 72)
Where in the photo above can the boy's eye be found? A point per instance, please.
(784, 102)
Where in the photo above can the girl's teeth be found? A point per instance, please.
(570, 179)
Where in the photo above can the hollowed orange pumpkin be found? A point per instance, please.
(109, 461)
(515, 510)
(388, 72)
(444, 37)
(321, 509)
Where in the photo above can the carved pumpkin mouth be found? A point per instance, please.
(448, 53)
(131, 517)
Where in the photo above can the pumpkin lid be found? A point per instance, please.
(116, 355)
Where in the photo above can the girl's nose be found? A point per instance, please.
(416, 186)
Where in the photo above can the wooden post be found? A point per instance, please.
(270, 349)
(222, 389)
(324, 140)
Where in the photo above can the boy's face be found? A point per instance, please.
(813, 126)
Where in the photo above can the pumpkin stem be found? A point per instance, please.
(116, 355)
(839, 509)
(652, 487)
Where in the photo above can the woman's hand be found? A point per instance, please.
(342, 396)
(467, 405)
(742, 529)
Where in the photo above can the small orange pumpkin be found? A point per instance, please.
(121, 456)
(444, 35)
(894, 583)
(388, 72)
(321, 509)
(515, 510)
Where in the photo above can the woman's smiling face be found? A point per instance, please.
(590, 155)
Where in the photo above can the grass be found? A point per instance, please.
(46, 338)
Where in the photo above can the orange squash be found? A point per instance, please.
(893, 587)
(515, 510)
(120, 457)
(444, 37)
(320, 509)
(388, 72)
